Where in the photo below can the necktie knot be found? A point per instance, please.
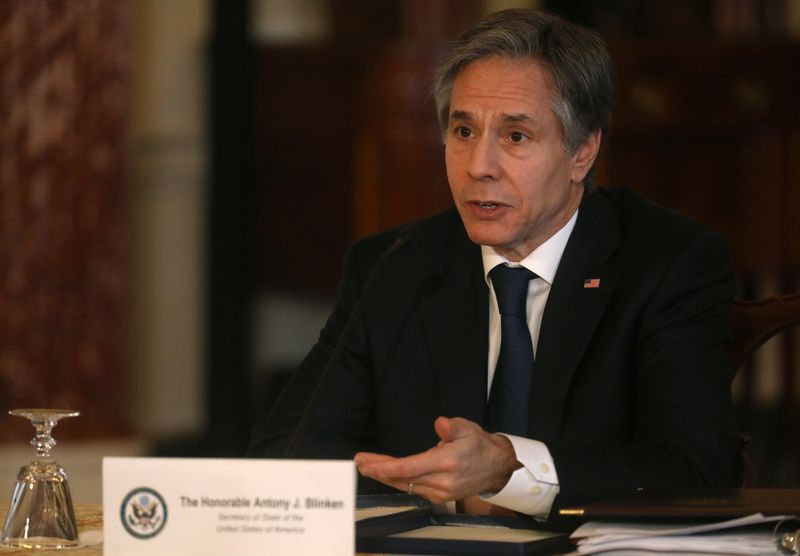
(510, 285)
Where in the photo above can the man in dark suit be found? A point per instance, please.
(603, 370)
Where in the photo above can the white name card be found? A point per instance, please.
(182, 506)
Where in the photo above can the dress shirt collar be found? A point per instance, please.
(543, 261)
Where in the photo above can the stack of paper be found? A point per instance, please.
(753, 534)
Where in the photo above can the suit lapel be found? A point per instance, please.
(573, 311)
(455, 322)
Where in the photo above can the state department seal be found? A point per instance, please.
(143, 513)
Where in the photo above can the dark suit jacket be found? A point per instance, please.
(631, 386)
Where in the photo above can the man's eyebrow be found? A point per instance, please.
(462, 115)
(469, 116)
(518, 118)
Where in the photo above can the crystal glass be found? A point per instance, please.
(41, 513)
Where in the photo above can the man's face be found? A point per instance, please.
(512, 182)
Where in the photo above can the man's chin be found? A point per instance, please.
(485, 235)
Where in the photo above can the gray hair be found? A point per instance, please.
(575, 58)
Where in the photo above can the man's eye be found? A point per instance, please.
(462, 131)
(516, 136)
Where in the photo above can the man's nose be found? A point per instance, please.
(483, 160)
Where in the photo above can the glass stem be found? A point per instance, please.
(43, 441)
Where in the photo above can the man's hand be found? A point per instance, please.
(467, 461)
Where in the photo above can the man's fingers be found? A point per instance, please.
(402, 469)
(434, 486)
(429, 493)
(423, 490)
(444, 428)
(451, 429)
(365, 458)
(447, 456)
(456, 467)
(421, 470)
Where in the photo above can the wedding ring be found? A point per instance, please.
(410, 488)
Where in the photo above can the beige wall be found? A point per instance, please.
(168, 178)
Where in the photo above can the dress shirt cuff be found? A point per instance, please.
(533, 487)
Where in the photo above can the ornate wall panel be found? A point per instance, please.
(62, 211)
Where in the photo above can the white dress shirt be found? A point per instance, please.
(533, 487)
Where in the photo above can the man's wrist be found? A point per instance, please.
(506, 462)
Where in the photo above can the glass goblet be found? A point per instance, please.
(41, 513)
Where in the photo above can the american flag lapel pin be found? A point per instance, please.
(591, 283)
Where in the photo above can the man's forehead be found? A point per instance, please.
(527, 65)
(501, 91)
(522, 83)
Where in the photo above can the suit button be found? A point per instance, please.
(544, 468)
(536, 490)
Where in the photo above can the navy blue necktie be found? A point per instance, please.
(508, 398)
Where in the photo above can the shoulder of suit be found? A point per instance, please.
(433, 233)
(647, 219)
(436, 227)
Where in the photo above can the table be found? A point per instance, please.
(88, 516)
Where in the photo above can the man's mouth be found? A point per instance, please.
(487, 205)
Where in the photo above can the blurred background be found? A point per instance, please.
(179, 182)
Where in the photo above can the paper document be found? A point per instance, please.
(735, 536)
(476, 533)
(380, 511)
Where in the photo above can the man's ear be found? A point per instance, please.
(584, 157)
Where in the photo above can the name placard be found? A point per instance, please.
(228, 506)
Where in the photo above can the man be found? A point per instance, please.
(610, 374)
